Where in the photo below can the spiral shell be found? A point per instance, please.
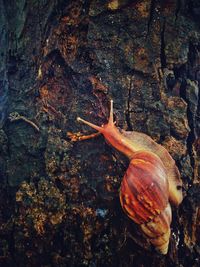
(144, 197)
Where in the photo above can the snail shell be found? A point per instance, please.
(144, 198)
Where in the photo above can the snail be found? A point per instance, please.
(151, 183)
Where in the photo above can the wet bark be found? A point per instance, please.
(59, 203)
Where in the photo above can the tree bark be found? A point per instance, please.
(59, 202)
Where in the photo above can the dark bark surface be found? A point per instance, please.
(59, 203)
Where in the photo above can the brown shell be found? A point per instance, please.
(141, 141)
(144, 188)
(158, 230)
(144, 197)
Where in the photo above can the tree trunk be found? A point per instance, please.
(59, 202)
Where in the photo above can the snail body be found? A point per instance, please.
(151, 182)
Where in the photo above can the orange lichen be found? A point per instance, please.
(97, 84)
(44, 92)
(113, 4)
(143, 8)
(68, 46)
(140, 58)
(39, 206)
(73, 17)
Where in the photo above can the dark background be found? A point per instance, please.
(59, 203)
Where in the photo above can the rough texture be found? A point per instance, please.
(59, 203)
